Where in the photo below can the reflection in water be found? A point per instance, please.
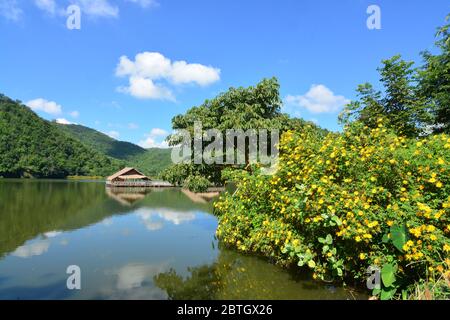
(33, 249)
(239, 277)
(127, 196)
(176, 217)
(47, 225)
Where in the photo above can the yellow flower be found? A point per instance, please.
(362, 256)
(439, 184)
(446, 248)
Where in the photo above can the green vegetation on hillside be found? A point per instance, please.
(33, 147)
(152, 162)
(102, 142)
(149, 161)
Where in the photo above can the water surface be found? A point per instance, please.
(129, 244)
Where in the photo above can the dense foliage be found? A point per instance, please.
(101, 142)
(33, 147)
(375, 195)
(150, 161)
(196, 183)
(339, 205)
(254, 107)
(416, 100)
(434, 80)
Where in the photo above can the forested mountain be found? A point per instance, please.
(32, 147)
(150, 161)
(102, 142)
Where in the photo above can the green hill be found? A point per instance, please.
(150, 161)
(101, 142)
(33, 147)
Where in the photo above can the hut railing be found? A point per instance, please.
(129, 183)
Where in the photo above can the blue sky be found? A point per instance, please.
(134, 64)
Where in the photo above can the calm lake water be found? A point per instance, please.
(157, 244)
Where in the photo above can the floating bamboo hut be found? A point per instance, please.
(128, 177)
(133, 178)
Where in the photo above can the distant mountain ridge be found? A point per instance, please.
(33, 147)
(102, 142)
(150, 161)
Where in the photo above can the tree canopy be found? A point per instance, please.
(253, 107)
(415, 100)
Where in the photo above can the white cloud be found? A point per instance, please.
(63, 121)
(175, 217)
(145, 3)
(152, 142)
(98, 8)
(33, 249)
(46, 106)
(144, 88)
(319, 99)
(155, 139)
(10, 10)
(183, 72)
(74, 114)
(149, 67)
(52, 234)
(158, 132)
(46, 5)
(113, 134)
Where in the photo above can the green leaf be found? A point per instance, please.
(388, 293)
(329, 239)
(311, 264)
(398, 234)
(385, 238)
(337, 220)
(388, 274)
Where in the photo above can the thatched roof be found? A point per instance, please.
(122, 174)
(134, 177)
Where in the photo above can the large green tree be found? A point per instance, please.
(414, 100)
(254, 107)
(398, 101)
(434, 80)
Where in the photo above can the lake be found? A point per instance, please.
(129, 244)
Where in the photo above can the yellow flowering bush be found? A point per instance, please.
(339, 204)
